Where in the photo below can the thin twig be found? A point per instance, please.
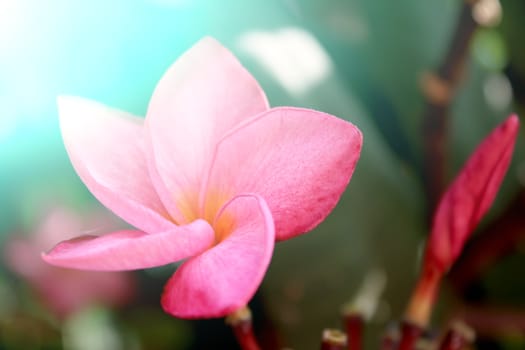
(241, 323)
(438, 88)
(494, 321)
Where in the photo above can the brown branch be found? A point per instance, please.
(494, 321)
(438, 89)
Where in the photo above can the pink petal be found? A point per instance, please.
(106, 148)
(471, 194)
(130, 250)
(300, 161)
(225, 278)
(204, 94)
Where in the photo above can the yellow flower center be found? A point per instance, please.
(214, 201)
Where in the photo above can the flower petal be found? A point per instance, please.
(471, 194)
(300, 161)
(225, 278)
(204, 94)
(130, 250)
(107, 151)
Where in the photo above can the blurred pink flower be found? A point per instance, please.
(212, 175)
(64, 291)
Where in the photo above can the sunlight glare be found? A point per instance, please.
(292, 55)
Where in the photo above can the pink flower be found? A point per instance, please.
(211, 175)
(470, 195)
(64, 291)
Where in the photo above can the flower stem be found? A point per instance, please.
(333, 339)
(241, 323)
(458, 337)
(420, 306)
(353, 323)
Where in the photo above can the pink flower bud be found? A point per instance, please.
(464, 203)
(470, 195)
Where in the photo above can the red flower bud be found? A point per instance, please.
(463, 205)
(470, 195)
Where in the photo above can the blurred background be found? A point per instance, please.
(409, 73)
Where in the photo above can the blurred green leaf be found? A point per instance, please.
(489, 49)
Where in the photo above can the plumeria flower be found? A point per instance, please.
(64, 291)
(461, 208)
(211, 175)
